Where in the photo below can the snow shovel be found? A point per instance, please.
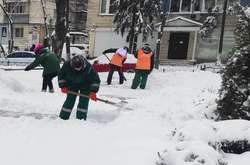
(119, 105)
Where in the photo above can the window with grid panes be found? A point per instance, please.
(107, 7)
(16, 7)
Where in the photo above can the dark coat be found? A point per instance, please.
(48, 60)
(86, 78)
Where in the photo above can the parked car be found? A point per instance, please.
(18, 58)
(73, 51)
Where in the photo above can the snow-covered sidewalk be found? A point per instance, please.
(179, 99)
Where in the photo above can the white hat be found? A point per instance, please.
(122, 51)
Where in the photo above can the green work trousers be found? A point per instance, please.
(82, 107)
(141, 77)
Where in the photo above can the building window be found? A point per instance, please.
(107, 7)
(18, 32)
(209, 4)
(193, 5)
(4, 31)
(175, 6)
(186, 5)
(197, 6)
(16, 7)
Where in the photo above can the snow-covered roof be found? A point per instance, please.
(181, 21)
(78, 33)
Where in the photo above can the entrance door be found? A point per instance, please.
(178, 45)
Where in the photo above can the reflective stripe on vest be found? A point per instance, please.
(143, 60)
(117, 59)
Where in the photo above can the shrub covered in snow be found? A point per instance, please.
(204, 142)
(234, 93)
(210, 23)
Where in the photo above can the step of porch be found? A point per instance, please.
(175, 62)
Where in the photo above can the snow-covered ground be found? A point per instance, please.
(170, 122)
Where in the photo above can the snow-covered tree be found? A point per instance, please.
(210, 23)
(234, 100)
(60, 29)
(136, 16)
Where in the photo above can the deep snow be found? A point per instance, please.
(171, 116)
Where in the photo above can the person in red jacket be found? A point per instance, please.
(116, 63)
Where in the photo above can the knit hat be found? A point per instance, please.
(37, 47)
(122, 52)
(77, 62)
(146, 47)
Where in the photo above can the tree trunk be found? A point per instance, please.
(132, 29)
(60, 29)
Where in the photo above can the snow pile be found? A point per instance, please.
(199, 142)
(232, 130)
(172, 113)
(210, 132)
(10, 84)
(190, 153)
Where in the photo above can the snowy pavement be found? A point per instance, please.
(177, 101)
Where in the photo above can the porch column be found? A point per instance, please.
(203, 5)
(195, 44)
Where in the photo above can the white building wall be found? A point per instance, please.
(106, 38)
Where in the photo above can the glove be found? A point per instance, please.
(64, 90)
(92, 96)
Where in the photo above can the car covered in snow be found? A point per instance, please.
(73, 51)
(18, 58)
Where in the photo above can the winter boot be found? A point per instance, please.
(51, 91)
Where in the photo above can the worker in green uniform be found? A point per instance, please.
(50, 63)
(77, 75)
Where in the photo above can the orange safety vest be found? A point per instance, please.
(117, 59)
(143, 60)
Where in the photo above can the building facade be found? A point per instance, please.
(78, 15)
(28, 21)
(181, 39)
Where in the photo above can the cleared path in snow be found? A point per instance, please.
(109, 136)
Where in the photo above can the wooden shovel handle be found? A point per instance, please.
(86, 96)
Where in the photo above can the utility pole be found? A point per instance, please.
(67, 31)
(222, 32)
